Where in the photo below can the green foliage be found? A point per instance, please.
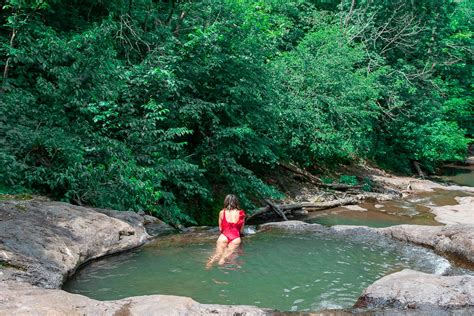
(367, 184)
(328, 110)
(350, 180)
(167, 106)
(440, 141)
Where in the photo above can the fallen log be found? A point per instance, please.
(282, 210)
(276, 209)
(416, 164)
(331, 204)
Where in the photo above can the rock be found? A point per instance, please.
(21, 299)
(410, 289)
(353, 230)
(355, 208)
(43, 242)
(156, 227)
(417, 185)
(462, 213)
(201, 229)
(455, 240)
(293, 226)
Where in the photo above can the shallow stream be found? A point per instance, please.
(414, 210)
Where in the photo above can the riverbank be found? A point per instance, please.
(44, 242)
(446, 203)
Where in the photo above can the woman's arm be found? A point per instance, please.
(243, 222)
(220, 221)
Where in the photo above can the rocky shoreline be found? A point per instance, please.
(44, 242)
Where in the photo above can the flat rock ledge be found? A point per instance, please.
(461, 213)
(408, 290)
(299, 226)
(455, 240)
(19, 299)
(416, 185)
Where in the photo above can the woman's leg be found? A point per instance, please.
(231, 248)
(221, 246)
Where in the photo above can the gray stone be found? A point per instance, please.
(410, 289)
(22, 299)
(46, 241)
(455, 240)
(292, 225)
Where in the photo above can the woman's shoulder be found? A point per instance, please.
(241, 212)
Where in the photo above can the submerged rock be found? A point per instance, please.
(43, 242)
(410, 289)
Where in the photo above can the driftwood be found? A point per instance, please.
(276, 209)
(283, 209)
(286, 209)
(416, 164)
(330, 204)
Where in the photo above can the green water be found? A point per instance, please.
(370, 219)
(458, 175)
(414, 210)
(380, 214)
(273, 269)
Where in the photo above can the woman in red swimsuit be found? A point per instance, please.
(231, 226)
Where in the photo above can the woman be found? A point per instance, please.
(231, 226)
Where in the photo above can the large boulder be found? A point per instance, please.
(457, 240)
(410, 289)
(43, 242)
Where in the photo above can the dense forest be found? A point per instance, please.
(166, 106)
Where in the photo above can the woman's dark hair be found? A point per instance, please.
(231, 202)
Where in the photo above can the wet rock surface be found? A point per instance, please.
(410, 289)
(43, 242)
(293, 226)
(455, 240)
(22, 299)
(299, 226)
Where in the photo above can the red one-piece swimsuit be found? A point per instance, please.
(232, 230)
